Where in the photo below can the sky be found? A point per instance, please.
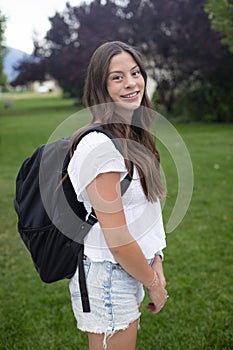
(24, 17)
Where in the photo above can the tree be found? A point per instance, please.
(184, 55)
(73, 37)
(221, 16)
(29, 71)
(180, 47)
(2, 48)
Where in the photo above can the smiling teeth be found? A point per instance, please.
(131, 95)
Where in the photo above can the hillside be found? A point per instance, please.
(12, 57)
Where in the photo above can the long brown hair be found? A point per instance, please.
(138, 145)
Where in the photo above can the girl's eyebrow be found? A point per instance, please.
(118, 71)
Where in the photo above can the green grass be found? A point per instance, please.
(198, 259)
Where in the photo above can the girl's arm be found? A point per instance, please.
(105, 196)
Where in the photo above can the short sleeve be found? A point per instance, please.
(95, 154)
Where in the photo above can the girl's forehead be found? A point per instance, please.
(123, 59)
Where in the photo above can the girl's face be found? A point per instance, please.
(125, 83)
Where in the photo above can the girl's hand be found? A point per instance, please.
(158, 295)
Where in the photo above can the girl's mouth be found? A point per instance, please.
(132, 95)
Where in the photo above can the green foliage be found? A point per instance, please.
(209, 101)
(206, 103)
(198, 259)
(221, 16)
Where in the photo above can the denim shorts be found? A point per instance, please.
(114, 297)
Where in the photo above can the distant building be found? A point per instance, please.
(48, 85)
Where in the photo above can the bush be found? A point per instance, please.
(207, 103)
(211, 100)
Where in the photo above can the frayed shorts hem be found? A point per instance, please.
(109, 333)
(117, 328)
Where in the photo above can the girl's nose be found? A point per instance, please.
(130, 82)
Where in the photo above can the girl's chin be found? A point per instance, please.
(130, 106)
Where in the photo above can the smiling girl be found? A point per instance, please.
(123, 250)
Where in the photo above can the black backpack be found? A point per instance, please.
(51, 221)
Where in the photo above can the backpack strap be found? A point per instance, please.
(82, 282)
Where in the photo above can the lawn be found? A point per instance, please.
(198, 259)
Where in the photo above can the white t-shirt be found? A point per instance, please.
(96, 154)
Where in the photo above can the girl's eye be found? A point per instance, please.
(117, 77)
(136, 73)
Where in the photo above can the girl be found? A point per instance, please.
(123, 251)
